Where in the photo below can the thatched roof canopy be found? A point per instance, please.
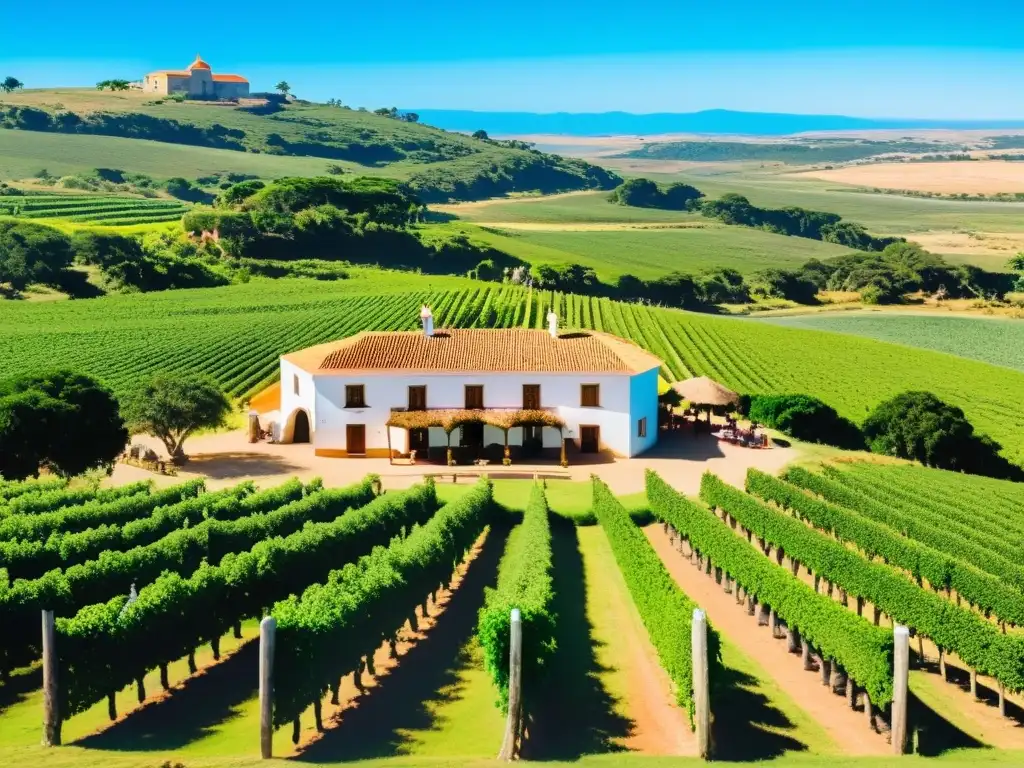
(704, 391)
(449, 419)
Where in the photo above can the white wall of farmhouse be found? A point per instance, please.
(624, 399)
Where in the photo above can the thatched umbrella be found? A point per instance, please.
(702, 391)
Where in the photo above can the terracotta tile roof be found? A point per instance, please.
(170, 73)
(486, 350)
(229, 79)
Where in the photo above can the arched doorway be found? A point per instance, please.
(300, 432)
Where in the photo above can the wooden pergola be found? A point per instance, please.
(450, 419)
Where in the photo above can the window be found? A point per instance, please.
(531, 397)
(474, 397)
(641, 427)
(417, 398)
(590, 395)
(355, 396)
(295, 383)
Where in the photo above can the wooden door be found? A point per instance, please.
(531, 397)
(590, 439)
(419, 441)
(355, 439)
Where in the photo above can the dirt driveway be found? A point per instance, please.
(227, 458)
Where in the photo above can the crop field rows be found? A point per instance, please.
(236, 334)
(112, 650)
(94, 209)
(353, 675)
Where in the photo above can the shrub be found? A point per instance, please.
(803, 417)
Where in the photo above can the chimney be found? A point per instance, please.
(427, 319)
(553, 324)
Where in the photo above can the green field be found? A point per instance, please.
(651, 253)
(24, 153)
(577, 207)
(879, 214)
(237, 334)
(101, 210)
(991, 340)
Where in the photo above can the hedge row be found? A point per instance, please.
(980, 589)
(35, 516)
(273, 512)
(31, 559)
(106, 646)
(864, 651)
(905, 520)
(11, 489)
(524, 582)
(666, 611)
(977, 642)
(325, 634)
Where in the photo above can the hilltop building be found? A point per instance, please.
(197, 80)
(512, 393)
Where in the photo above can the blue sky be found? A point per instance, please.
(901, 58)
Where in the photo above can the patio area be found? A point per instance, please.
(228, 458)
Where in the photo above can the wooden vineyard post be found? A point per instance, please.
(701, 693)
(509, 744)
(51, 706)
(901, 672)
(268, 629)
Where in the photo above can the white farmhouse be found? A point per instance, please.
(512, 393)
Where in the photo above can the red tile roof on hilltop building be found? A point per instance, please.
(477, 350)
(229, 79)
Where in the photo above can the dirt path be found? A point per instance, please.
(844, 726)
(978, 721)
(659, 727)
(383, 717)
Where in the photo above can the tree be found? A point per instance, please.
(410, 117)
(1017, 265)
(62, 421)
(173, 406)
(112, 85)
(283, 88)
(10, 84)
(481, 134)
(920, 426)
(32, 253)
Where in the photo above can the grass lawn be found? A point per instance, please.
(990, 340)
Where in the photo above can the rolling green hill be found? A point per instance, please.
(438, 165)
(806, 152)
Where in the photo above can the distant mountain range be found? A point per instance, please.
(712, 121)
